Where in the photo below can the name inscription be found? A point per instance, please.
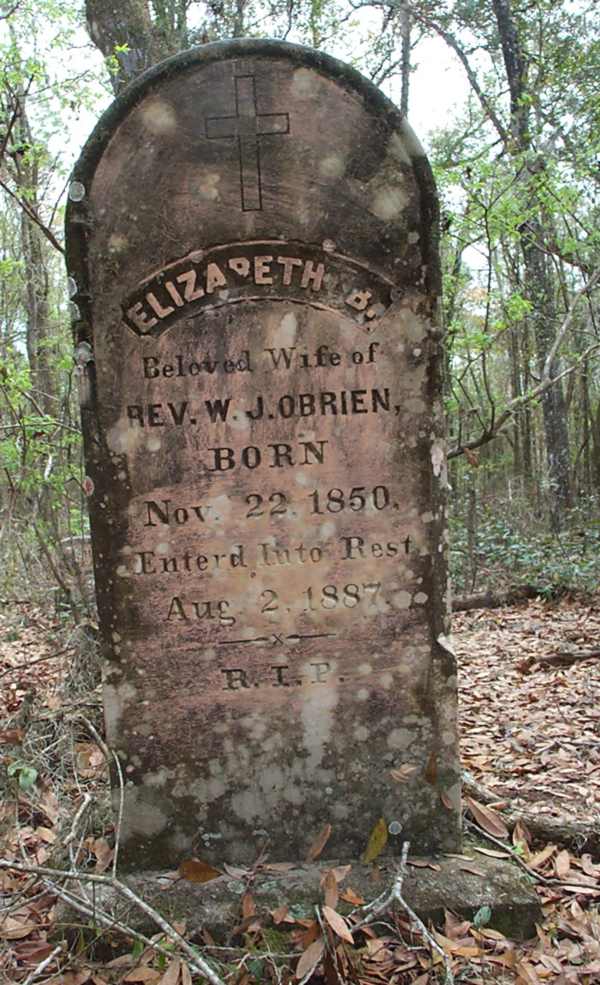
(208, 279)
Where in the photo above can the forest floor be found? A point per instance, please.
(529, 739)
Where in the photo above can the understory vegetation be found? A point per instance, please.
(517, 164)
(518, 178)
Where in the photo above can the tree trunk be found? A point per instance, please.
(538, 279)
(405, 29)
(554, 408)
(124, 33)
(37, 287)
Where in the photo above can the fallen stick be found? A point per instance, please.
(579, 835)
(394, 895)
(495, 600)
(37, 971)
(564, 658)
(195, 960)
(38, 660)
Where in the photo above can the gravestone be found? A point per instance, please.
(252, 246)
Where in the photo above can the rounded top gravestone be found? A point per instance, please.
(252, 235)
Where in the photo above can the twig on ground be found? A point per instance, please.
(199, 964)
(386, 901)
(30, 663)
(14, 901)
(110, 755)
(105, 920)
(31, 977)
(513, 855)
(581, 835)
(80, 812)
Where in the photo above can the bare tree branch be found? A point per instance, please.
(32, 214)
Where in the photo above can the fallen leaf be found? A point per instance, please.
(431, 769)
(338, 924)
(445, 799)
(490, 934)
(195, 870)
(248, 906)
(377, 841)
(341, 871)
(588, 866)
(72, 978)
(421, 863)
(521, 834)
(539, 858)
(12, 929)
(235, 872)
(472, 868)
(527, 975)
(491, 853)
(171, 975)
(280, 913)
(143, 974)
(403, 773)
(186, 975)
(310, 958)
(466, 951)
(32, 952)
(350, 896)
(562, 864)
(487, 818)
(319, 844)
(330, 889)
(103, 852)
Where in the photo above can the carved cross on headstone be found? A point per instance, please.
(247, 125)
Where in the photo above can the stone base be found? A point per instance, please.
(216, 906)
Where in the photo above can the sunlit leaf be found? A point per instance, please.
(377, 841)
(338, 924)
(310, 958)
(487, 818)
(319, 844)
(195, 870)
(402, 774)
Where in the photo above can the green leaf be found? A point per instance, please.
(377, 841)
(482, 917)
(26, 775)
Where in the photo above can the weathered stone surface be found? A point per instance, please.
(514, 904)
(251, 233)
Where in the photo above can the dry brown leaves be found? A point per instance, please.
(530, 733)
(28, 644)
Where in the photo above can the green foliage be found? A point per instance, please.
(25, 775)
(482, 917)
(512, 550)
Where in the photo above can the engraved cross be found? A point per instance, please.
(247, 126)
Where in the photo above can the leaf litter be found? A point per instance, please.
(529, 735)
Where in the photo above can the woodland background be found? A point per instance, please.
(518, 171)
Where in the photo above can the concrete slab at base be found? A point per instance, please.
(216, 906)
